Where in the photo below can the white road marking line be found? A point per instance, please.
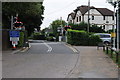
(69, 46)
(49, 47)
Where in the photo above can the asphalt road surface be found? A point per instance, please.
(43, 60)
(58, 60)
(44, 47)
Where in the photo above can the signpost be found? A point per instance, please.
(14, 37)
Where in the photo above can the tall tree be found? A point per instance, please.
(29, 13)
(55, 24)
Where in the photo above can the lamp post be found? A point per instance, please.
(88, 16)
(118, 26)
(114, 3)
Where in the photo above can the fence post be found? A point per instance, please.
(111, 53)
(103, 47)
(117, 56)
(106, 49)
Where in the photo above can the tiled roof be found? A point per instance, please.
(72, 15)
(104, 11)
(83, 9)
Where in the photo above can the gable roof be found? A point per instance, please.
(72, 15)
(83, 9)
(104, 11)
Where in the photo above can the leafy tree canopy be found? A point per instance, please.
(83, 26)
(29, 13)
(57, 23)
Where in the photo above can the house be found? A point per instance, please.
(99, 16)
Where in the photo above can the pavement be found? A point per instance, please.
(89, 63)
(93, 63)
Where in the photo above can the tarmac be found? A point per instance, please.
(92, 63)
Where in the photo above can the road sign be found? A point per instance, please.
(14, 39)
(14, 43)
(14, 33)
(113, 34)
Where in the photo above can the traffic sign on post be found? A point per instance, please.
(14, 33)
(14, 37)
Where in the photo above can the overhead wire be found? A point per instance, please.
(59, 10)
(64, 8)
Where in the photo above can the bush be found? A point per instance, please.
(38, 36)
(94, 40)
(76, 37)
(83, 26)
(50, 38)
(21, 39)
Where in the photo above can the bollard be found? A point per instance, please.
(111, 53)
(106, 49)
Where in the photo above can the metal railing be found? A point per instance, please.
(112, 53)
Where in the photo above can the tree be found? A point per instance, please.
(96, 29)
(55, 24)
(83, 26)
(29, 13)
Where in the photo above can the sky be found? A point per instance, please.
(54, 9)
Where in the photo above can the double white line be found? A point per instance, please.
(49, 47)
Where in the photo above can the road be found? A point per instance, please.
(43, 60)
(58, 60)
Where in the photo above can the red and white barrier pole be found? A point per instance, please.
(14, 47)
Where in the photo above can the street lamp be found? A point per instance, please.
(113, 3)
(88, 16)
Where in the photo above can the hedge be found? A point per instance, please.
(76, 37)
(21, 39)
(38, 36)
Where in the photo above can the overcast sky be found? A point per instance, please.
(54, 9)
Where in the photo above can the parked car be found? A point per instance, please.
(105, 37)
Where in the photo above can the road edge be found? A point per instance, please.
(72, 48)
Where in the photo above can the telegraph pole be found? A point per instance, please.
(88, 16)
(118, 27)
(114, 32)
(11, 22)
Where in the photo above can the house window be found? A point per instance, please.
(92, 17)
(70, 21)
(79, 18)
(104, 27)
(103, 17)
(112, 17)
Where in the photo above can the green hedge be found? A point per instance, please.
(76, 37)
(38, 36)
(94, 40)
(21, 39)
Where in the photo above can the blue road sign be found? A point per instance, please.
(14, 33)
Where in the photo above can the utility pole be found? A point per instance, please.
(118, 27)
(88, 16)
(11, 22)
(61, 26)
(114, 32)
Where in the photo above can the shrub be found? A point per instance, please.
(76, 37)
(94, 40)
(21, 39)
(38, 36)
